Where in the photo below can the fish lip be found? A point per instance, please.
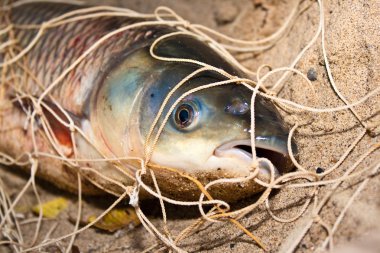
(229, 149)
(280, 160)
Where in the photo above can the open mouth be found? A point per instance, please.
(242, 149)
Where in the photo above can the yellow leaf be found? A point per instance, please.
(52, 208)
(116, 219)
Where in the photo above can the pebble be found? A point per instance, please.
(312, 74)
(226, 13)
(320, 170)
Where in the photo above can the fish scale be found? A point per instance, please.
(60, 46)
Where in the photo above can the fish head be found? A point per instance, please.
(210, 130)
(206, 131)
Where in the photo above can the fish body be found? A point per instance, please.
(113, 96)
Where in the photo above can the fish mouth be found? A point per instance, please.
(242, 150)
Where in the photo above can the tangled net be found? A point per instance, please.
(12, 60)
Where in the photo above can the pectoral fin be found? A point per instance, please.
(54, 115)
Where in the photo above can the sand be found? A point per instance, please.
(352, 44)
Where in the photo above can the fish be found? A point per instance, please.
(113, 97)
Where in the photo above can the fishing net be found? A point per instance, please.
(354, 166)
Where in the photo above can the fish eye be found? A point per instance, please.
(184, 115)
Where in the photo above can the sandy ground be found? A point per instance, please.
(352, 43)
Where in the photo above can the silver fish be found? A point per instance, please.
(114, 95)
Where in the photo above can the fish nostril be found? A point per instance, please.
(238, 106)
